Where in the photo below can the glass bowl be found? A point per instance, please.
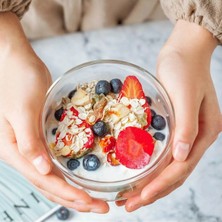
(109, 189)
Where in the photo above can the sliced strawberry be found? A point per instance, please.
(63, 116)
(111, 158)
(107, 143)
(134, 147)
(74, 111)
(132, 88)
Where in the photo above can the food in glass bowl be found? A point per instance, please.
(107, 131)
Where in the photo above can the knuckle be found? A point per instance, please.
(188, 133)
(51, 198)
(179, 183)
(38, 184)
(187, 169)
(28, 148)
(215, 130)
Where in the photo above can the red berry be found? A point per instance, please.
(132, 88)
(107, 143)
(63, 116)
(134, 147)
(74, 111)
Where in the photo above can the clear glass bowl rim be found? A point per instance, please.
(158, 160)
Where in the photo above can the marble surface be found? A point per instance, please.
(200, 198)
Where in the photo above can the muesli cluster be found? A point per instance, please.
(114, 116)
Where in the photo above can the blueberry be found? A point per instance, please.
(149, 100)
(91, 162)
(116, 85)
(103, 87)
(58, 113)
(72, 164)
(62, 213)
(71, 94)
(158, 122)
(54, 131)
(159, 136)
(100, 128)
(153, 113)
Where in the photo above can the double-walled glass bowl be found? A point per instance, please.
(107, 70)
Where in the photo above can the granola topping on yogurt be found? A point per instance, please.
(107, 124)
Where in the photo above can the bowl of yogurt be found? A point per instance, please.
(108, 126)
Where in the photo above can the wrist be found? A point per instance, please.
(12, 37)
(191, 38)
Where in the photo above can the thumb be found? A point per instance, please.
(186, 117)
(29, 140)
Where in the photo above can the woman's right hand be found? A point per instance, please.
(23, 85)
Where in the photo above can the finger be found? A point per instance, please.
(53, 182)
(186, 129)
(136, 202)
(30, 144)
(28, 137)
(133, 203)
(120, 203)
(60, 188)
(96, 206)
(178, 171)
(164, 192)
(186, 100)
(23, 115)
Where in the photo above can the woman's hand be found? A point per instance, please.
(23, 85)
(184, 70)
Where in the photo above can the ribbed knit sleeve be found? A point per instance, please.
(19, 7)
(206, 13)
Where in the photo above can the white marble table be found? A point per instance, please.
(200, 198)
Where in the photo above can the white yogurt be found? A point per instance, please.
(106, 172)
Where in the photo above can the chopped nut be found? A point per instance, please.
(134, 103)
(60, 145)
(125, 101)
(80, 98)
(65, 151)
(92, 119)
(82, 116)
(142, 102)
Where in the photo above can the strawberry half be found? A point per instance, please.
(132, 88)
(134, 147)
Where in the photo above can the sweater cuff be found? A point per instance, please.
(19, 7)
(207, 14)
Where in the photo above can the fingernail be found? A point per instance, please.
(41, 165)
(181, 151)
(96, 210)
(134, 206)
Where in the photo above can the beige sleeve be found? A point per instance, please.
(207, 13)
(19, 7)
